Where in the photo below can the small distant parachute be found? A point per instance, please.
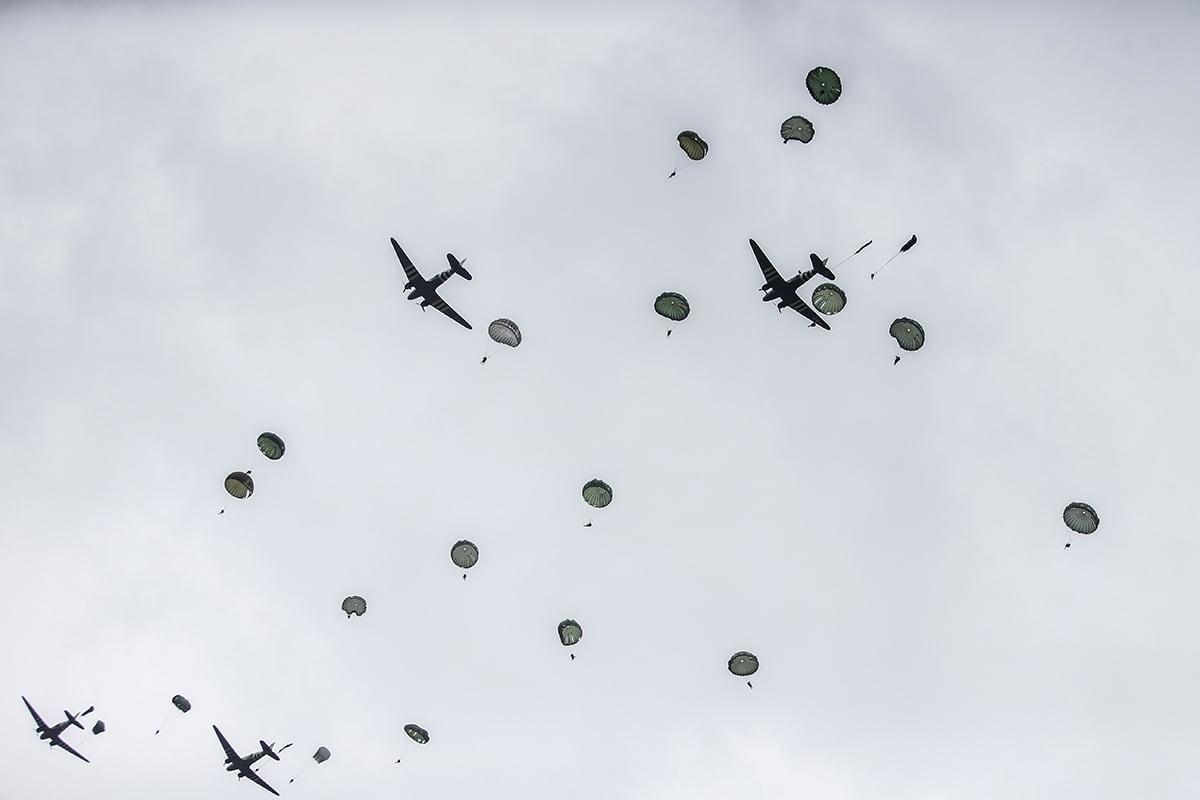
(505, 331)
(271, 445)
(691, 144)
(1081, 518)
(597, 493)
(672, 306)
(464, 554)
(180, 702)
(354, 605)
(797, 128)
(743, 664)
(417, 733)
(908, 333)
(239, 484)
(322, 755)
(98, 728)
(828, 299)
(904, 248)
(569, 633)
(824, 85)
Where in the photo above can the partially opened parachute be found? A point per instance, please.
(828, 298)
(505, 331)
(824, 85)
(98, 728)
(322, 755)
(417, 733)
(182, 703)
(597, 493)
(797, 128)
(354, 605)
(569, 632)
(239, 484)
(271, 445)
(673, 306)
(691, 144)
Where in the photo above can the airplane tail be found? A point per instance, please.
(267, 751)
(819, 267)
(457, 267)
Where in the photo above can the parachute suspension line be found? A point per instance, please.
(876, 272)
(852, 255)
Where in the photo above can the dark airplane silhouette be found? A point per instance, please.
(241, 765)
(427, 289)
(776, 288)
(54, 732)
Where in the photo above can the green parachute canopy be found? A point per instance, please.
(797, 128)
(417, 733)
(98, 728)
(908, 333)
(354, 605)
(271, 445)
(322, 755)
(828, 299)
(597, 493)
(239, 484)
(673, 306)
(505, 331)
(182, 703)
(569, 632)
(464, 554)
(824, 85)
(743, 664)
(691, 143)
(1081, 518)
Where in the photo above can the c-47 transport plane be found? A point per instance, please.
(776, 288)
(242, 765)
(54, 732)
(427, 289)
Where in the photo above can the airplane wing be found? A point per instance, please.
(41, 725)
(768, 270)
(229, 751)
(442, 306)
(58, 741)
(410, 271)
(804, 309)
(250, 774)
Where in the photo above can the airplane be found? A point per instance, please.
(427, 289)
(776, 288)
(242, 765)
(54, 732)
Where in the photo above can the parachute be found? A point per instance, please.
(354, 605)
(417, 733)
(98, 728)
(464, 554)
(691, 144)
(322, 755)
(673, 306)
(908, 333)
(271, 445)
(597, 493)
(904, 248)
(569, 633)
(239, 484)
(828, 299)
(1081, 518)
(797, 128)
(743, 664)
(505, 331)
(180, 702)
(824, 85)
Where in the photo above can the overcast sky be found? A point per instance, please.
(195, 206)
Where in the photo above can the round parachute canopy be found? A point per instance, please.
(239, 484)
(569, 632)
(673, 306)
(322, 755)
(417, 733)
(828, 299)
(505, 331)
(824, 85)
(354, 605)
(691, 143)
(181, 703)
(271, 445)
(1081, 518)
(908, 333)
(464, 554)
(98, 728)
(597, 493)
(797, 128)
(743, 664)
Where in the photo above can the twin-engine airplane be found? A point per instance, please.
(242, 765)
(427, 289)
(54, 732)
(776, 288)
